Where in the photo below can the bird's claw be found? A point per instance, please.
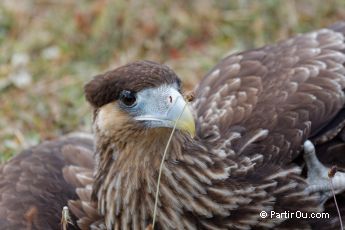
(318, 179)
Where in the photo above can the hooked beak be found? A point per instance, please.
(168, 107)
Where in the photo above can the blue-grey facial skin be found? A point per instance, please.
(161, 107)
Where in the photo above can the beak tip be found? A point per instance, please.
(192, 132)
(188, 126)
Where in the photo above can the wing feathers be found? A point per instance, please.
(80, 176)
(78, 155)
(291, 84)
(32, 188)
(267, 102)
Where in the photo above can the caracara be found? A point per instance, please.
(250, 141)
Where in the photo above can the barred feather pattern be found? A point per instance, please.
(253, 112)
(80, 176)
(198, 190)
(298, 83)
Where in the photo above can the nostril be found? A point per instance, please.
(170, 99)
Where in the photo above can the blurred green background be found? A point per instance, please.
(50, 48)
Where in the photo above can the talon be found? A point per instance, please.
(308, 147)
(318, 178)
(316, 170)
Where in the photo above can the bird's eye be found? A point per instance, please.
(128, 98)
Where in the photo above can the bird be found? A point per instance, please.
(251, 151)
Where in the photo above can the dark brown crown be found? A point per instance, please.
(135, 76)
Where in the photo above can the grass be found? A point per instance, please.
(50, 49)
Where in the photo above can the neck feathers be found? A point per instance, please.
(127, 173)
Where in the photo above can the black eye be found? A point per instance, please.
(128, 98)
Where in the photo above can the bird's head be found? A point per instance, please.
(140, 96)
